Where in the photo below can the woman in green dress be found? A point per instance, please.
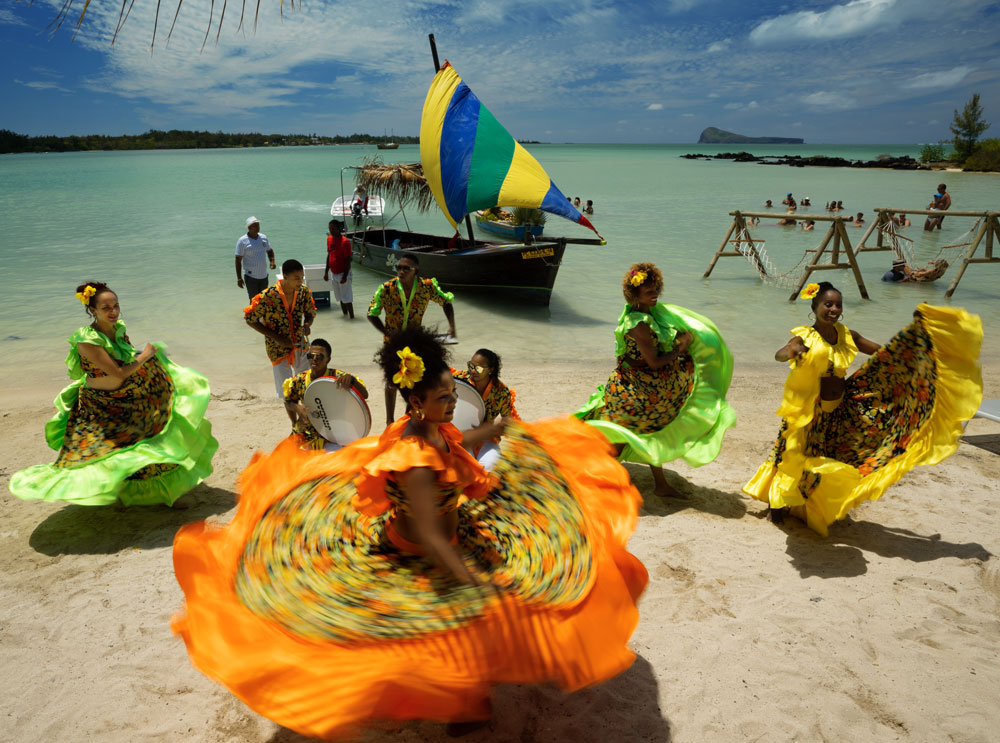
(130, 428)
(666, 398)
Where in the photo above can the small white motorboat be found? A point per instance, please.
(368, 207)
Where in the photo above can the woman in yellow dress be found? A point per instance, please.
(396, 580)
(846, 440)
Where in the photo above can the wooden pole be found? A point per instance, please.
(862, 247)
(853, 260)
(811, 266)
(722, 247)
(987, 227)
(835, 260)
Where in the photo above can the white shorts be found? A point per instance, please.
(284, 371)
(342, 292)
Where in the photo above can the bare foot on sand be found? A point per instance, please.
(661, 487)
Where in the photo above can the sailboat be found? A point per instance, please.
(389, 144)
(468, 162)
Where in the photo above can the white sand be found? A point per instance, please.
(887, 630)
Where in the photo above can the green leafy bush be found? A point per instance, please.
(932, 153)
(986, 157)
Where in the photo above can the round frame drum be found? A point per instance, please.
(338, 415)
(470, 409)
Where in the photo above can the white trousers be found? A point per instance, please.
(342, 292)
(284, 371)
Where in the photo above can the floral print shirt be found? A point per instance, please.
(400, 310)
(273, 311)
(498, 398)
(294, 389)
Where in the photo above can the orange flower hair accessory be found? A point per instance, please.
(85, 295)
(411, 368)
(638, 277)
(810, 291)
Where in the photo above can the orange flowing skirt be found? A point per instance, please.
(369, 633)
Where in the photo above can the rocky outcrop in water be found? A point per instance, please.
(798, 161)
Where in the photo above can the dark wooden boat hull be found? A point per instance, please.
(524, 272)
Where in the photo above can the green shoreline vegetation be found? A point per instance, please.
(179, 139)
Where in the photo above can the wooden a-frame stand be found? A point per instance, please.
(837, 234)
(989, 229)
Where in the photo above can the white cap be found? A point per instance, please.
(252, 220)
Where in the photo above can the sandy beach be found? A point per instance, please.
(887, 630)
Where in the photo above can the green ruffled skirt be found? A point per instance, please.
(698, 412)
(143, 444)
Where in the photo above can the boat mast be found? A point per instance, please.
(437, 68)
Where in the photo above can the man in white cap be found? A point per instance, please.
(253, 253)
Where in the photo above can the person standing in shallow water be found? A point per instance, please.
(338, 264)
(253, 254)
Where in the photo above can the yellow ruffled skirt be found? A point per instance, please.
(904, 407)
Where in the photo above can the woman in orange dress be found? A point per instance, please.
(396, 580)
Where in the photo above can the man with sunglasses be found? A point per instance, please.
(295, 389)
(404, 300)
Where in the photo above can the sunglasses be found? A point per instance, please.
(314, 356)
(476, 368)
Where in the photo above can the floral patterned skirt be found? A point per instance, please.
(646, 400)
(304, 594)
(902, 408)
(145, 443)
(105, 420)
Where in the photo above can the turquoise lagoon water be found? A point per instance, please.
(160, 228)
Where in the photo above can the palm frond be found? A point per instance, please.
(400, 182)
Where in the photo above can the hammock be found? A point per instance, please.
(760, 261)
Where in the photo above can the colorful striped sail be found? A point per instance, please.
(471, 162)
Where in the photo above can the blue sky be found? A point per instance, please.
(861, 71)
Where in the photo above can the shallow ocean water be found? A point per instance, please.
(160, 228)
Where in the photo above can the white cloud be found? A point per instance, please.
(853, 18)
(734, 106)
(718, 46)
(941, 79)
(655, 107)
(688, 116)
(42, 85)
(828, 100)
(10, 18)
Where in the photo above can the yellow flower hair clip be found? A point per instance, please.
(411, 368)
(86, 294)
(810, 291)
(638, 277)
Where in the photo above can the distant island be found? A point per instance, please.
(721, 136)
(178, 139)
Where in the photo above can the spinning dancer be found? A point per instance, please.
(130, 428)
(666, 397)
(395, 580)
(841, 441)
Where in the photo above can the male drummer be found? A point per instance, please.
(404, 300)
(295, 388)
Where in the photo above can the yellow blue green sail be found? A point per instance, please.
(471, 162)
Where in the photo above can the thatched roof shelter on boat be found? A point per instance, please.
(401, 182)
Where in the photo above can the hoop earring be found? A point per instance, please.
(812, 314)
(418, 414)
